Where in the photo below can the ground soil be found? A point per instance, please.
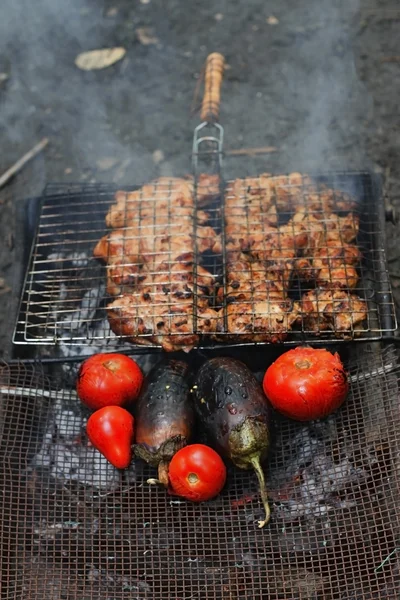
(317, 80)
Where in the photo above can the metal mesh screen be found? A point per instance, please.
(185, 266)
(73, 527)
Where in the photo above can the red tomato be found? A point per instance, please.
(306, 383)
(108, 380)
(110, 430)
(197, 472)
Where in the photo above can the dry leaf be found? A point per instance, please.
(99, 59)
(158, 156)
(106, 163)
(146, 36)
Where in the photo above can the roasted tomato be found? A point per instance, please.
(197, 472)
(108, 380)
(110, 430)
(306, 383)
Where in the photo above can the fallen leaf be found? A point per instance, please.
(158, 156)
(146, 36)
(112, 12)
(99, 59)
(106, 163)
(272, 20)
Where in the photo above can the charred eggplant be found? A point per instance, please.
(164, 415)
(235, 415)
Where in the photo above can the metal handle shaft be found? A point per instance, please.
(214, 71)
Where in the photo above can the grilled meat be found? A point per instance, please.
(256, 201)
(131, 253)
(149, 256)
(164, 199)
(275, 226)
(316, 242)
(248, 280)
(328, 257)
(169, 324)
(257, 305)
(333, 265)
(161, 308)
(335, 310)
(256, 321)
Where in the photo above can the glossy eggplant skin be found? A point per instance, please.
(164, 414)
(235, 414)
(226, 394)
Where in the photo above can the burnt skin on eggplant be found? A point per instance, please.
(235, 415)
(164, 415)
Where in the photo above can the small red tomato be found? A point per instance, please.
(110, 430)
(197, 472)
(108, 380)
(306, 383)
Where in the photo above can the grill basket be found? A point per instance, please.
(73, 527)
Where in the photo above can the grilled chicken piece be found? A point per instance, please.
(313, 231)
(128, 251)
(258, 321)
(168, 324)
(257, 307)
(177, 278)
(327, 200)
(164, 198)
(331, 266)
(328, 257)
(334, 310)
(255, 201)
(248, 280)
(161, 308)
(149, 258)
(208, 188)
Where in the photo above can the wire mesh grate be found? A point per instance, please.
(188, 264)
(74, 527)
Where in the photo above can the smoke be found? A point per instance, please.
(326, 81)
(293, 85)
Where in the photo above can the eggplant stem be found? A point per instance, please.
(255, 462)
(163, 469)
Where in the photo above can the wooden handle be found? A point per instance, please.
(212, 87)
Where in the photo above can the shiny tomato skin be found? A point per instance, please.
(111, 430)
(108, 380)
(197, 473)
(306, 383)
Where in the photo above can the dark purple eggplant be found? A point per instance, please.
(164, 415)
(235, 415)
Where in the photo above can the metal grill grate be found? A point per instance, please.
(72, 527)
(322, 268)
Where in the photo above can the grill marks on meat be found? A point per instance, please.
(334, 310)
(257, 305)
(328, 256)
(161, 308)
(265, 250)
(150, 255)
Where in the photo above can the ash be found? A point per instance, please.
(313, 482)
(64, 453)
